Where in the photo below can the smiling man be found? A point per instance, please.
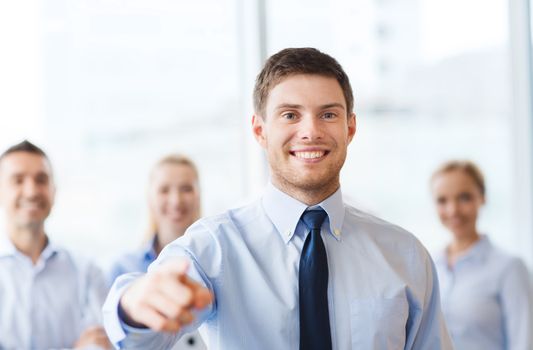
(299, 268)
(48, 298)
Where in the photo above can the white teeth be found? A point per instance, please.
(309, 155)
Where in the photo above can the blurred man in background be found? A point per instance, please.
(49, 298)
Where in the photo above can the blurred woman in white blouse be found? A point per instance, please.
(485, 292)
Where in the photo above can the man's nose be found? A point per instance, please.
(310, 128)
(30, 188)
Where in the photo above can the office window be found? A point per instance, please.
(431, 83)
(109, 87)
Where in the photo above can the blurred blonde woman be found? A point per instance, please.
(485, 293)
(173, 204)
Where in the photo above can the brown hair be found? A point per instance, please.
(468, 167)
(294, 61)
(173, 159)
(24, 146)
(28, 147)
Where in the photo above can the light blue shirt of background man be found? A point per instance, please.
(237, 274)
(49, 298)
(50, 304)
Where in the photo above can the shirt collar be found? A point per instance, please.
(477, 252)
(8, 249)
(49, 250)
(148, 249)
(285, 211)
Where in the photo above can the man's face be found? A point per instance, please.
(26, 189)
(305, 131)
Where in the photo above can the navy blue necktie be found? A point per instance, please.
(313, 286)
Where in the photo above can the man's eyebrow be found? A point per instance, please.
(297, 106)
(22, 174)
(289, 105)
(333, 105)
(19, 174)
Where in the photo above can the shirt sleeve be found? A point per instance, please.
(517, 306)
(426, 328)
(123, 336)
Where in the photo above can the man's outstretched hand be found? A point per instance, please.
(164, 299)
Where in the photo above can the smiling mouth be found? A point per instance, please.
(309, 154)
(30, 205)
(456, 222)
(178, 215)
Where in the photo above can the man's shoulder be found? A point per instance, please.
(78, 262)
(231, 218)
(60, 252)
(383, 233)
(366, 221)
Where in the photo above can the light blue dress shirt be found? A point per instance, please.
(47, 305)
(486, 299)
(383, 289)
(138, 261)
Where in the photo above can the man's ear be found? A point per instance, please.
(352, 126)
(258, 128)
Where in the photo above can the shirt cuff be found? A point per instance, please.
(117, 330)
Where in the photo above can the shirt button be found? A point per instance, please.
(288, 233)
(337, 232)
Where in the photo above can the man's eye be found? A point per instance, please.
(289, 116)
(42, 180)
(186, 189)
(328, 116)
(465, 197)
(18, 180)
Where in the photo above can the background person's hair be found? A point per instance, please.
(293, 61)
(466, 166)
(28, 147)
(24, 146)
(172, 159)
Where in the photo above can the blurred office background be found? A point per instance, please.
(107, 87)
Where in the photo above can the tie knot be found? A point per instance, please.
(313, 219)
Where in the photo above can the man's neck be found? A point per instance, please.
(307, 196)
(28, 241)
